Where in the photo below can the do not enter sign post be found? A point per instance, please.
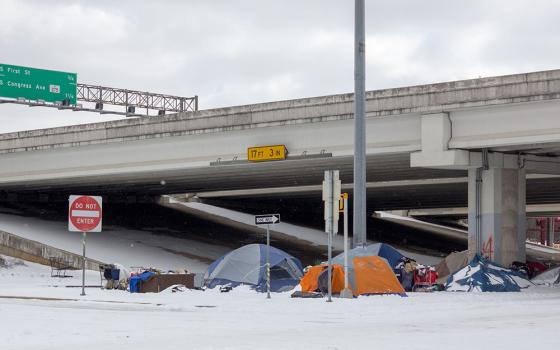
(84, 215)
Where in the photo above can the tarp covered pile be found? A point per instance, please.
(550, 277)
(136, 281)
(481, 275)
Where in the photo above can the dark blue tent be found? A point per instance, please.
(383, 250)
(247, 265)
(481, 275)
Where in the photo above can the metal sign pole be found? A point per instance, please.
(329, 180)
(346, 293)
(268, 219)
(84, 264)
(329, 299)
(346, 242)
(268, 261)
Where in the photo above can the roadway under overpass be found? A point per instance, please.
(424, 144)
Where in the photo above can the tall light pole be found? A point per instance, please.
(359, 216)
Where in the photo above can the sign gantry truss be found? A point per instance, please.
(138, 99)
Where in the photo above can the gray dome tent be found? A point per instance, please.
(247, 265)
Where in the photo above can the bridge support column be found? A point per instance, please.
(497, 220)
(550, 231)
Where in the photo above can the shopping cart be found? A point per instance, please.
(424, 279)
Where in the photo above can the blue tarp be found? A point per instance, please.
(247, 265)
(481, 275)
(136, 280)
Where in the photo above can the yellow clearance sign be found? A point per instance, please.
(341, 202)
(267, 153)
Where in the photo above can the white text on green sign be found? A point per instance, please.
(37, 84)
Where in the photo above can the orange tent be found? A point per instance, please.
(369, 275)
(372, 275)
(310, 281)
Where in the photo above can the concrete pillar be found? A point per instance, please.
(503, 227)
(550, 231)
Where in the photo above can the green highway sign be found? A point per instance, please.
(37, 84)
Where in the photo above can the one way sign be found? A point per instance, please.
(267, 219)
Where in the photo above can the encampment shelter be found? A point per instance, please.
(247, 265)
(316, 279)
(482, 275)
(382, 250)
(369, 275)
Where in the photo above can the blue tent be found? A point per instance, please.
(247, 265)
(135, 281)
(383, 250)
(481, 275)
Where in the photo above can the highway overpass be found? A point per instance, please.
(424, 146)
(206, 151)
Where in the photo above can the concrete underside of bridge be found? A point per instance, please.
(289, 181)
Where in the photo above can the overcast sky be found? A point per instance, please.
(240, 52)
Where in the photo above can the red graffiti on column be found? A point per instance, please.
(488, 248)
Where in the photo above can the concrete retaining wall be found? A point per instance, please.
(29, 250)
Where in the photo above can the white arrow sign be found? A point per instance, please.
(267, 219)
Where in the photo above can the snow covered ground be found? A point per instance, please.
(57, 317)
(118, 245)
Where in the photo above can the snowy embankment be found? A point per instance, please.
(59, 317)
(118, 245)
(284, 230)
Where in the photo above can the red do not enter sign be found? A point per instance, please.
(85, 213)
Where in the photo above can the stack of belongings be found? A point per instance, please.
(482, 275)
(116, 276)
(424, 279)
(247, 266)
(531, 268)
(451, 264)
(405, 272)
(550, 277)
(370, 271)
